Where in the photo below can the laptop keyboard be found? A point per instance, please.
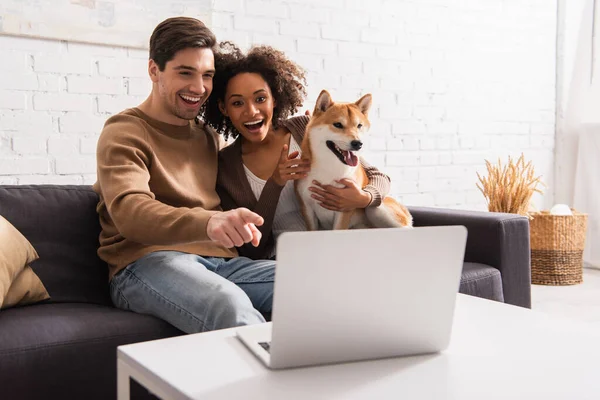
(266, 346)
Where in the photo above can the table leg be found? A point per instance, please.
(123, 376)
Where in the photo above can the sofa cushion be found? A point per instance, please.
(62, 225)
(481, 280)
(59, 345)
(18, 283)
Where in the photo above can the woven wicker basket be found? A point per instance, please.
(557, 243)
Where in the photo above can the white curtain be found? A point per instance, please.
(582, 123)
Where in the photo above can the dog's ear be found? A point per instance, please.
(364, 103)
(323, 102)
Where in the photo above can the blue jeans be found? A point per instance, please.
(195, 293)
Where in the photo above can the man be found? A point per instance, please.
(169, 247)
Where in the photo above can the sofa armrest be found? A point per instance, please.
(496, 239)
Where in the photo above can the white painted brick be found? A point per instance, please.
(380, 128)
(304, 13)
(241, 39)
(235, 6)
(13, 100)
(50, 180)
(406, 173)
(62, 102)
(374, 158)
(350, 18)
(449, 171)
(49, 82)
(427, 143)
(343, 65)
(8, 180)
(542, 129)
(444, 158)
(479, 78)
(309, 62)
(449, 198)
(313, 46)
(76, 165)
(399, 159)
(376, 143)
(267, 9)
(34, 45)
(388, 52)
(115, 104)
(409, 127)
(138, 53)
(395, 144)
(335, 4)
(339, 32)
(362, 50)
(381, 67)
(429, 113)
(63, 146)
(404, 187)
(300, 29)
(16, 166)
(123, 67)
(18, 81)
(88, 145)
(469, 158)
(27, 122)
(89, 179)
(429, 158)
(421, 200)
(282, 43)
(222, 20)
(443, 127)
(254, 24)
(399, 82)
(14, 61)
(60, 63)
(394, 112)
(139, 87)
(94, 85)
(373, 35)
(359, 81)
(363, 5)
(86, 49)
(28, 145)
(81, 123)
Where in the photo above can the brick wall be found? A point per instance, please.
(454, 83)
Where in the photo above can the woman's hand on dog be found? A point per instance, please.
(290, 167)
(346, 198)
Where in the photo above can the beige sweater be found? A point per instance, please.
(235, 191)
(156, 184)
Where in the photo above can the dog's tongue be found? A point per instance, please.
(350, 158)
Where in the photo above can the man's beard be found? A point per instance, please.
(183, 114)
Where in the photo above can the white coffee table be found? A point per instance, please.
(497, 351)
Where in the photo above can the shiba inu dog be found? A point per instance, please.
(331, 144)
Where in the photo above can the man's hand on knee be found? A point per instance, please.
(235, 227)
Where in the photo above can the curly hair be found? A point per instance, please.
(285, 78)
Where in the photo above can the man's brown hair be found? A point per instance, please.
(178, 33)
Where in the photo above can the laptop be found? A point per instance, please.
(360, 294)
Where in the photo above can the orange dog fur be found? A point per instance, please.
(331, 143)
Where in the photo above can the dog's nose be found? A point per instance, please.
(356, 144)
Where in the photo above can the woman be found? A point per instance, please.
(253, 96)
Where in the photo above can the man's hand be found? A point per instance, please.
(289, 167)
(346, 198)
(235, 227)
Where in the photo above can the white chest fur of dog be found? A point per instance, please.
(332, 141)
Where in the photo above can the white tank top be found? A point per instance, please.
(287, 215)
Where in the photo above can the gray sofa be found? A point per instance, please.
(65, 348)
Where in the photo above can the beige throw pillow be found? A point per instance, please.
(18, 283)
